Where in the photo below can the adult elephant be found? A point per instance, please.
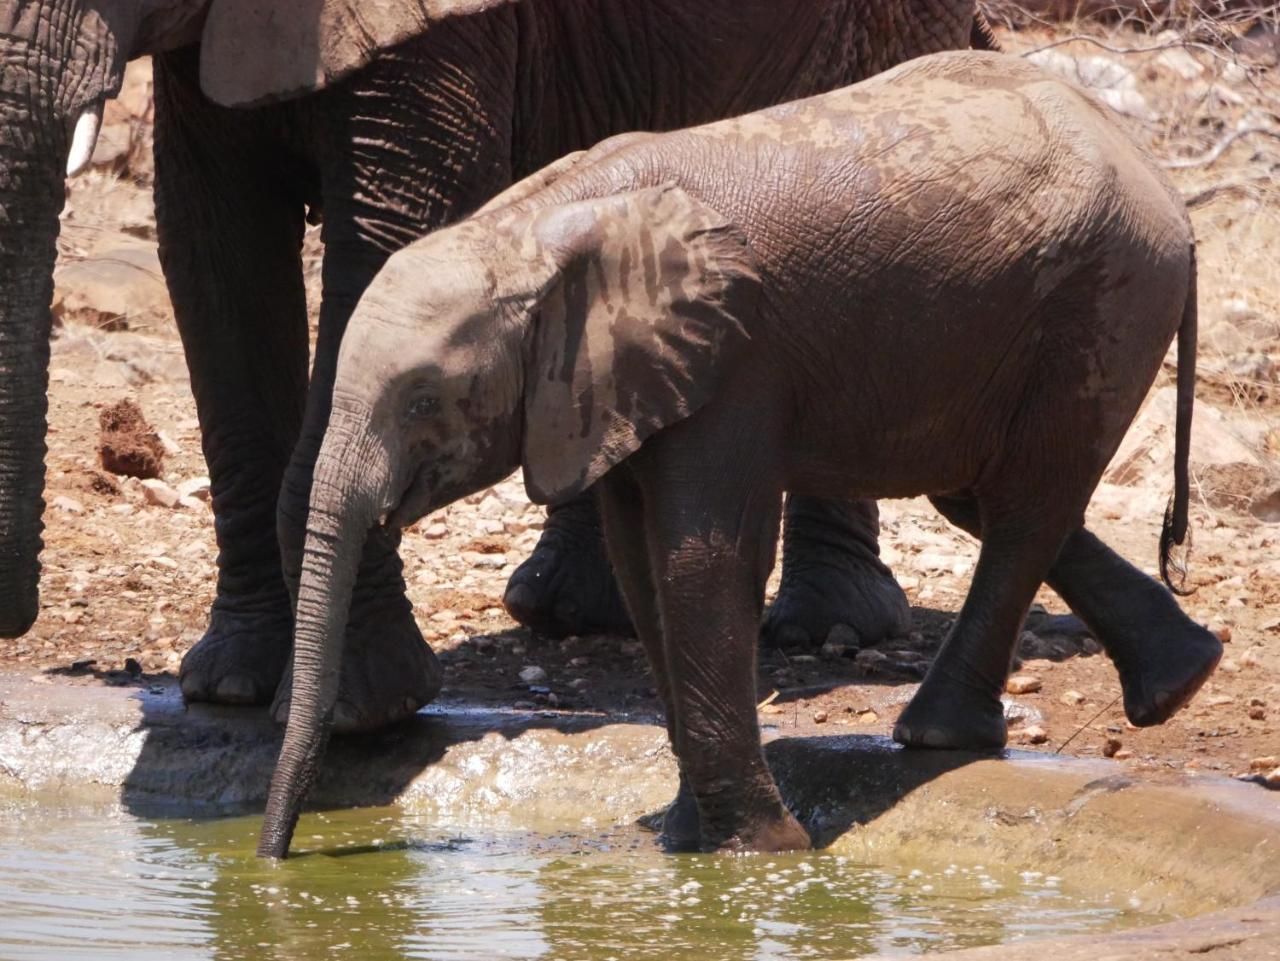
(390, 119)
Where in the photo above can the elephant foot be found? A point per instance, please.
(1160, 686)
(388, 672)
(681, 826)
(842, 591)
(241, 657)
(951, 715)
(566, 587)
(777, 831)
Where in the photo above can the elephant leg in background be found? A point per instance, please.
(230, 235)
(398, 157)
(831, 575)
(566, 585)
(622, 512)
(1162, 656)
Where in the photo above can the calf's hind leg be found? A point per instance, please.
(1161, 655)
(958, 704)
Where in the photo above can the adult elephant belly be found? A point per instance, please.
(420, 135)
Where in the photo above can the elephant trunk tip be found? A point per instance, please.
(278, 826)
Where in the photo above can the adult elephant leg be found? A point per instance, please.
(415, 140)
(832, 575)
(567, 586)
(230, 222)
(1162, 656)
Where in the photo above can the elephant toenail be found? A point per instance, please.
(235, 689)
(520, 601)
(845, 636)
(192, 684)
(793, 635)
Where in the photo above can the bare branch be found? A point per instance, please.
(1218, 149)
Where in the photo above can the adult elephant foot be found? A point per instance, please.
(949, 714)
(566, 586)
(832, 577)
(388, 672)
(242, 655)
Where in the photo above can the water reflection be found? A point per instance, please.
(375, 885)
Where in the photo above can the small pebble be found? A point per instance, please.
(1123, 754)
(1223, 634)
(1112, 747)
(1023, 684)
(1257, 713)
(868, 717)
(819, 717)
(1072, 697)
(1034, 734)
(533, 674)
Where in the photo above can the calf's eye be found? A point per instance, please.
(424, 405)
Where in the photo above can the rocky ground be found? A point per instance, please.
(129, 564)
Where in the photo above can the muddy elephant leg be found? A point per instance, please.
(622, 513)
(711, 547)
(958, 704)
(399, 156)
(832, 575)
(230, 231)
(1162, 656)
(566, 586)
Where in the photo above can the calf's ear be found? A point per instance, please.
(648, 299)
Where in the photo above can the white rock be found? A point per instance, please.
(197, 487)
(533, 674)
(157, 492)
(1177, 59)
(170, 445)
(68, 504)
(1112, 83)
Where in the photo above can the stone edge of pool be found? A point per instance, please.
(1182, 843)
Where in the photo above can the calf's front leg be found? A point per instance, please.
(711, 527)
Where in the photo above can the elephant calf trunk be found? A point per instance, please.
(341, 514)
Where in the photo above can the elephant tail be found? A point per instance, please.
(981, 36)
(1174, 529)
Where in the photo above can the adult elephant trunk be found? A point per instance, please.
(32, 158)
(348, 494)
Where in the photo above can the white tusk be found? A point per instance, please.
(84, 138)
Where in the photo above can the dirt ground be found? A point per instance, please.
(129, 565)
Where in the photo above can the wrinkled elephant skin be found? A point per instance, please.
(696, 322)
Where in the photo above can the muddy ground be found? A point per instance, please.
(129, 566)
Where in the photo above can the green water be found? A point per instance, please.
(374, 884)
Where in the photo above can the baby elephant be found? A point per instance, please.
(956, 279)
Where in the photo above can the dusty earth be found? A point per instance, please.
(129, 565)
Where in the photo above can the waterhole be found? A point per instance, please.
(375, 883)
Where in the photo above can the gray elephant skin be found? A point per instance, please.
(956, 279)
(389, 120)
